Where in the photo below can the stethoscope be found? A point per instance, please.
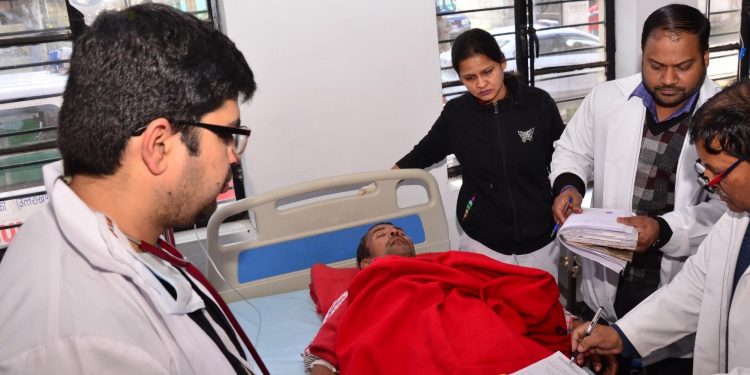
(168, 253)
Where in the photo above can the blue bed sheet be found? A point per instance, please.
(288, 322)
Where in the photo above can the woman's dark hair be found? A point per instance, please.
(480, 42)
(134, 66)
(725, 118)
(678, 17)
(473, 42)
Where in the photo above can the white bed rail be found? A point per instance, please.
(322, 206)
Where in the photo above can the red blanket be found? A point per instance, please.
(327, 284)
(447, 313)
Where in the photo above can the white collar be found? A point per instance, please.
(89, 233)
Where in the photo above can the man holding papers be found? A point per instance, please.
(596, 234)
(710, 297)
(630, 137)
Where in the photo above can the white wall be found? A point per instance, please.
(343, 86)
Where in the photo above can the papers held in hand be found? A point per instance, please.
(595, 234)
(556, 364)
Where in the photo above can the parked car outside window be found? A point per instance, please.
(450, 25)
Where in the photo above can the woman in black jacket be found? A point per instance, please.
(502, 133)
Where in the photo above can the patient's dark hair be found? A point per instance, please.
(678, 17)
(136, 65)
(362, 251)
(725, 118)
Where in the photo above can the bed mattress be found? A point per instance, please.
(280, 329)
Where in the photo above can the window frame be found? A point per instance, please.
(530, 39)
(734, 46)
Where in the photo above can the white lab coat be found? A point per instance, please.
(76, 299)
(602, 142)
(699, 300)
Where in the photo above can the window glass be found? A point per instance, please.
(722, 66)
(24, 170)
(196, 7)
(27, 141)
(24, 17)
(21, 127)
(725, 28)
(457, 16)
(725, 16)
(725, 81)
(724, 42)
(36, 57)
(572, 46)
(549, 43)
(573, 84)
(91, 9)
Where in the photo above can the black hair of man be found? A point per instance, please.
(363, 252)
(726, 118)
(678, 18)
(136, 65)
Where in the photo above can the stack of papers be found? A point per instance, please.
(595, 234)
(556, 364)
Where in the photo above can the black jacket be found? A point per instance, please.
(505, 151)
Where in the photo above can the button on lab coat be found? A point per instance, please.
(76, 299)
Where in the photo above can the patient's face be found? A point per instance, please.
(386, 239)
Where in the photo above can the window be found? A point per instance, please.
(582, 55)
(36, 40)
(27, 140)
(724, 43)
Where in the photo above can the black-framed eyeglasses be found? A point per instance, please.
(712, 185)
(238, 135)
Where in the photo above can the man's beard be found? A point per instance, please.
(181, 216)
(207, 210)
(654, 91)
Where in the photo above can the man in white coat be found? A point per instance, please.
(630, 137)
(710, 297)
(148, 129)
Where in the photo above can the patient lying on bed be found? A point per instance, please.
(451, 312)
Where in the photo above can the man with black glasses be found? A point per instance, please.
(710, 297)
(148, 130)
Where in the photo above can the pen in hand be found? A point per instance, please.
(589, 329)
(557, 223)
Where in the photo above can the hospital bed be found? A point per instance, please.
(265, 275)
